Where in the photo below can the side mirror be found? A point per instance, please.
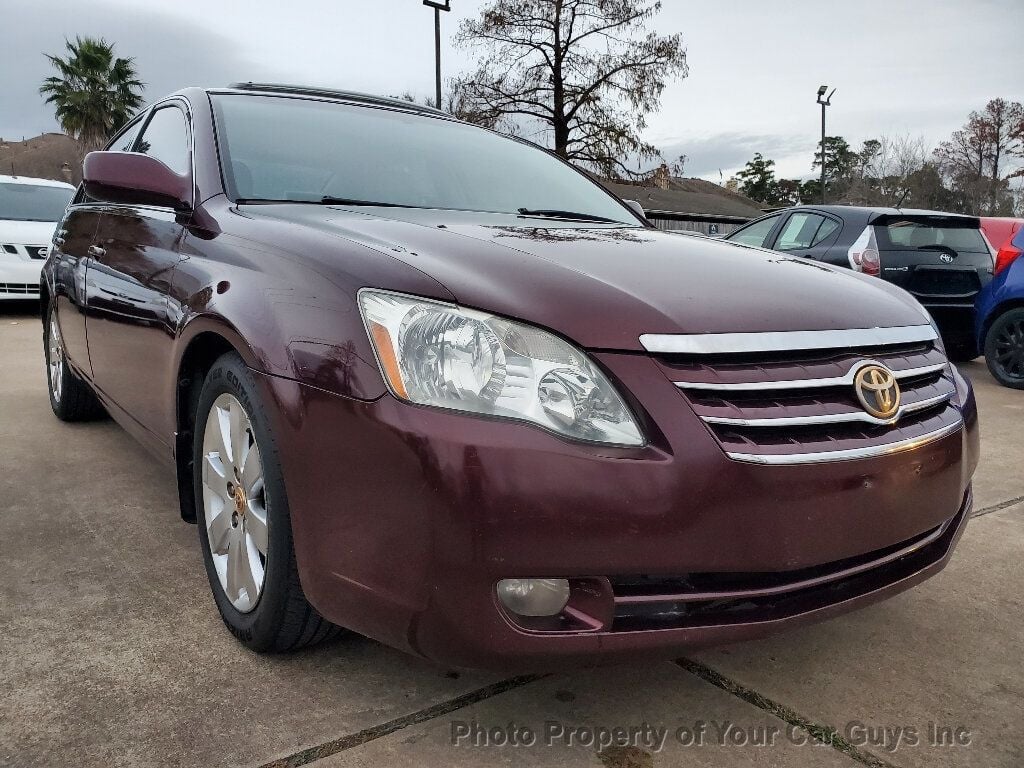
(636, 208)
(135, 179)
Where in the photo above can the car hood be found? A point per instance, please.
(605, 286)
(26, 232)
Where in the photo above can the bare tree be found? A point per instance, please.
(1005, 127)
(457, 102)
(979, 159)
(454, 103)
(587, 72)
(887, 170)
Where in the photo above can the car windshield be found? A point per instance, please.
(912, 234)
(33, 202)
(304, 150)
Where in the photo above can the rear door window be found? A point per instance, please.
(908, 234)
(756, 233)
(800, 231)
(826, 230)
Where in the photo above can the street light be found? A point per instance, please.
(438, 7)
(824, 101)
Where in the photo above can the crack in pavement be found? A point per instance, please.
(320, 751)
(823, 734)
(999, 506)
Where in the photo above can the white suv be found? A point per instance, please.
(29, 212)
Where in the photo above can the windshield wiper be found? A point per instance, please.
(326, 200)
(549, 213)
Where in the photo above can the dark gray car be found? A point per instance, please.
(941, 258)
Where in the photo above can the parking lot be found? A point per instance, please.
(113, 652)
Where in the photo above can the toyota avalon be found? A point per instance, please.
(439, 387)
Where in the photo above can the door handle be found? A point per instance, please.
(96, 251)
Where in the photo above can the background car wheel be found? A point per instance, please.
(244, 522)
(70, 398)
(1004, 348)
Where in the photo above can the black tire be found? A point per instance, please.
(1003, 355)
(282, 619)
(70, 397)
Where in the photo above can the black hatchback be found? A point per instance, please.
(942, 259)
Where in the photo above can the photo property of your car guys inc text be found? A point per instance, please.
(599, 383)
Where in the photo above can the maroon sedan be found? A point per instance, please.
(435, 385)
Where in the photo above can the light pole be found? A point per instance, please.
(438, 7)
(824, 101)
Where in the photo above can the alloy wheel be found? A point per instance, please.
(234, 502)
(1009, 348)
(56, 359)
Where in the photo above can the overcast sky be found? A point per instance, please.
(900, 66)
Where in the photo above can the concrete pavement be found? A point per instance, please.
(113, 654)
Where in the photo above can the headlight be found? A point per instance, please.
(441, 355)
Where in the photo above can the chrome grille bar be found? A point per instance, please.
(849, 453)
(834, 381)
(738, 343)
(833, 418)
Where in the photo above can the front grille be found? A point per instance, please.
(20, 289)
(35, 252)
(950, 283)
(786, 406)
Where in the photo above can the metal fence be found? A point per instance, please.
(705, 223)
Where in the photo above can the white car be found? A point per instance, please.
(29, 212)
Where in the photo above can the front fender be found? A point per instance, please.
(283, 315)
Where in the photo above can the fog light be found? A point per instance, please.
(534, 597)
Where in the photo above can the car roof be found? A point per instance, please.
(34, 182)
(865, 210)
(354, 97)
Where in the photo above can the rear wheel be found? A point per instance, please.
(70, 398)
(245, 525)
(1004, 348)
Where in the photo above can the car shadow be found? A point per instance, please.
(19, 308)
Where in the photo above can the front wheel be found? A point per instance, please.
(245, 526)
(1004, 348)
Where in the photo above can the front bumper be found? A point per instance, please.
(404, 518)
(19, 279)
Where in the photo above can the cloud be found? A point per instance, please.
(706, 155)
(170, 52)
(741, 97)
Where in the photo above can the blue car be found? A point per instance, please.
(1000, 316)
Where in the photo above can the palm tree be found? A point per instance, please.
(94, 93)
